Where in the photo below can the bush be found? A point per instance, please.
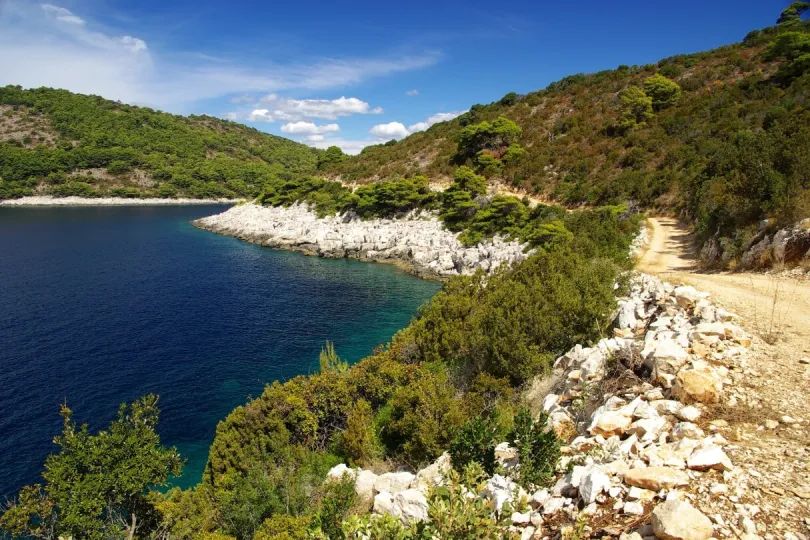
(664, 92)
(475, 442)
(359, 440)
(538, 449)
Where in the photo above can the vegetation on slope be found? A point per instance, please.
(721, 138)
(59, 143)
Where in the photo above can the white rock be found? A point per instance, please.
(633, 508)
(434, 474)
(593, 482)
(410, 505)
(687, 296)
(686, 430)
(554, 505)
(338, 471)
(528, 533)
(519, 518)
(364, 484)
(383, 503)
(709, 457)
(679, 520)
(394, 482)
(690, 413)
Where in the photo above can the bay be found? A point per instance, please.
(101, 305)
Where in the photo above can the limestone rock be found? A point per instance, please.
(383, 503)
(394, 482)
(364, 484)
(699, 383)
(709, 456)
(610, 423)
(592, 484)
(656, 478)
(679, 520)
(410, 505)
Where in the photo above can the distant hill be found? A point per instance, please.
(61, 143)
(721, 137)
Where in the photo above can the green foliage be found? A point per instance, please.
(664, 92)
(330, 361)
(282, 527)
(487, 136)
(793, 13)
(325, 197)
(538, 449)
(636, 108)
(794, 48)
(392, 198)
(95, 486)
(211, 157)
(475, 442)
(337, 500)
(359, 442)
(488, 163)
(332, 156)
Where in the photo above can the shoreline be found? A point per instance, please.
(418, 244)
(109, 201)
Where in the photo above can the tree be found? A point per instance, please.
(476, 137)
(793, 13)
(330, 361)
(332, 155)
(636, 108)
(96, 485)
(359, 442)
(664, 92)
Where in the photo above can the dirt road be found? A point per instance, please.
(775, 462)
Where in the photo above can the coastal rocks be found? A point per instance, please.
(679, 520)
(418, 241)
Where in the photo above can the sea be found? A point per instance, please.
(101, 305)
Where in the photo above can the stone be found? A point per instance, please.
(770, 424)
(637, 493)
(394, 482)
(383, 503)
(679, 520)
(434, 474)
(554, 505)
(666, 359)
(500, 490)
(633, 508)
(592, 484)
(687, 296)
(528, 533)
(656, 478)
(364, 485)
(690, 413)
(626, 318)
(648, 429)
(686, 430)
(410, 505)
(519, 518)
(699, 383)
(539, 498)
(666, 406)
(709, 457)
(610, 423)
(804, 360)
(788, 420)
(506, 455)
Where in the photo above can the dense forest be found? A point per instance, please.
(59, 143)
(721, 137)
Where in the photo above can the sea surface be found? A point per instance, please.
(99, 306)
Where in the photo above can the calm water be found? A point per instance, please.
(101, 305)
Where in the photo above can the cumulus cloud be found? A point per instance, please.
(349, 146)
(280, 109)
(309, 128)
(391, 130)
(413, 92)
(49, 45)
(397, 130)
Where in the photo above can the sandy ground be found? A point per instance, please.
(107, 201)
(776, 311)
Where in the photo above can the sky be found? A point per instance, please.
(348, 74)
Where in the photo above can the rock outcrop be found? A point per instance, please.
(418, 242)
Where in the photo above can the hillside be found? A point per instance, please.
(60, 143)
(726, 146)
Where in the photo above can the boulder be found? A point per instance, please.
(666, 359)
(686, 430)
(699, 383)
(687, 296)
(434, 474)
(394, 482)
(656, 478)
(383, 503)
(679, 520)
(709, 456)
(364, 485)
(410, 505)
(689, 413)
(610, 423)
(338, 471)
(592, 483)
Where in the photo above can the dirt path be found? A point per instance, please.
(773, 462)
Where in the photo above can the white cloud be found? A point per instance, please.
(48, 45)
(315, 138)
(309, 128)
(397, 130)
(413, 92)
(280, 109)
(62, 14)
(349, 146)
(391, 130)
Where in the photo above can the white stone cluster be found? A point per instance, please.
(635, 408)
(418, 241)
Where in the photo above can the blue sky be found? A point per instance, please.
(345, 73)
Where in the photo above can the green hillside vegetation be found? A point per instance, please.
(59, 143)
(721, 138)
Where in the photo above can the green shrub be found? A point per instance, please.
(664, 92)
(538, 449)
(475, 442)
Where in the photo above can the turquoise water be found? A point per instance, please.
(102, 305)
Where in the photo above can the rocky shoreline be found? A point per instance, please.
(108, 201)
(418, 242)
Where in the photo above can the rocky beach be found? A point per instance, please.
(418, 242)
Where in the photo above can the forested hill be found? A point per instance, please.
(720, 137)
(60, 143)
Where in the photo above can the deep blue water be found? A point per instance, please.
(101, 305)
